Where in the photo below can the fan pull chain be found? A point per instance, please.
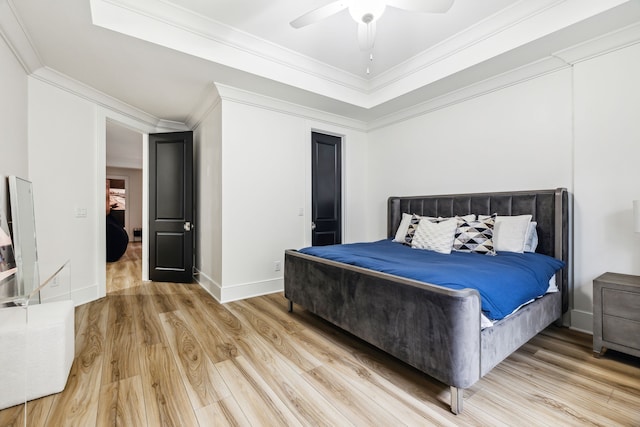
(370, 60)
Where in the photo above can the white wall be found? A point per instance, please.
(63, 165)
(263, 170)
(13, 122)
(254, 170)
(134, 196)
(517, 138)
(208, 190)
(607, 176)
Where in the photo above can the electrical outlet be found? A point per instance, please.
(277, 265)
(54, 282)
(81, 212)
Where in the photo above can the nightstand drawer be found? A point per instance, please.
(621, 304)
(621, 331)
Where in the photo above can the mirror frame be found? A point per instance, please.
(24, 235)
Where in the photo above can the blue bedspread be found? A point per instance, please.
(505, 281)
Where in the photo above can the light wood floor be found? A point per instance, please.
(127, 271)
(162, 354)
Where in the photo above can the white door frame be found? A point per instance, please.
(104, 115)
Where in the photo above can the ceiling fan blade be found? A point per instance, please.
(366, 35)
(425, 6)
(319, 14)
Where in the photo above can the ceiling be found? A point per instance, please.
(163, 56)
(333, 41)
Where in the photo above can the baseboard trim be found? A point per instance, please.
(224, 294)
(78, 296)
(250, 290)
(582, 321)
(209, 285)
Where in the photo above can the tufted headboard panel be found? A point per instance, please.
(549, 208)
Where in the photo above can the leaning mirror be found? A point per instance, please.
(7, 267)
(24, 236)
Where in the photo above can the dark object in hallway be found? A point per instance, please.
(117, 239)
(118, 216)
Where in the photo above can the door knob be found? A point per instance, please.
(187, 226)
(313, 225)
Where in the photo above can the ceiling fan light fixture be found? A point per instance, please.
(366, 11)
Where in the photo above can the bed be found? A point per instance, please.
(434, 328)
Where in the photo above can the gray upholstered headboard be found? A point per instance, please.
(548, 207)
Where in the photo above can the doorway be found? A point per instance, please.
(124, 172)
(326, 189)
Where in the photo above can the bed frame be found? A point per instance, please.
(435, 329)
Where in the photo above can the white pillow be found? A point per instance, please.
(435, 236)
(531, 239)
(510, 231)
(402, 228)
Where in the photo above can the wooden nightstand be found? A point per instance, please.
(616, 314)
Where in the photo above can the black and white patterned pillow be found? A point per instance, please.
(475, 236)
(411, 229)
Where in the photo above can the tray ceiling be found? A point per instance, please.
(163, 56)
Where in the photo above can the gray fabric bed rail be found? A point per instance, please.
(432, 328)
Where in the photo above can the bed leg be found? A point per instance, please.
(457, 396)
(290, 309)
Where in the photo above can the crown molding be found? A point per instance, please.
(557, 61)
(501, 81)
(13, 32)
(565, 58)
(165, 24)
(487, 29)
(229, 93)
(505, 31)
(610, 42)
(81, 90)
(191, 22)
(18, 40)
(171, 126)
(169, 25)
(209, 101)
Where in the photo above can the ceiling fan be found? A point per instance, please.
(367, 12)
